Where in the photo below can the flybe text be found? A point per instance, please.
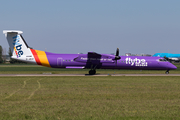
(17, 46)
(136, 62)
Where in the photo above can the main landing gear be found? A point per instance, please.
(92, 72)
(167, 72)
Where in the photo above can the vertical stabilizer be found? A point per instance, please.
(18, 46)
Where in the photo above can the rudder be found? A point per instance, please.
(17, 44)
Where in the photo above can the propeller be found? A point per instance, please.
(117, 57)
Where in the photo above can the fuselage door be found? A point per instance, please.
(59, 61)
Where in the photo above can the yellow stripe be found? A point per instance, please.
(43, 58)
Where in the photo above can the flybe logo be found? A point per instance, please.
(136, 62)
(17, 46)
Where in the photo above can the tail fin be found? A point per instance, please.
(18, 46)
(21, 51)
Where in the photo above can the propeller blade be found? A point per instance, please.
(117, 57)
(117, 52)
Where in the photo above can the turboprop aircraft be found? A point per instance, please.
(21, 51)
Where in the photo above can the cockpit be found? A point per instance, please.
(162, 60)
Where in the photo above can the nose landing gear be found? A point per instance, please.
(167, 72)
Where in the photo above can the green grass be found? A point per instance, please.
(35, 69)
(89, 97)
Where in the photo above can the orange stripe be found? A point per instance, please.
(43, 58)
(36, 57)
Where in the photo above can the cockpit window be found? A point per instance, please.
(162, 60)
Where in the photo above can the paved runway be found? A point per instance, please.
(89, 75)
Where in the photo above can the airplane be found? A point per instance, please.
(168, 56)
(92, 60)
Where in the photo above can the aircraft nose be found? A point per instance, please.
(172, 67)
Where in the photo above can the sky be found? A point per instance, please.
(102, 26)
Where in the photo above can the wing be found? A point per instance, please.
(95, 58)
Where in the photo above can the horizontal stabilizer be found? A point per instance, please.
(12, 31)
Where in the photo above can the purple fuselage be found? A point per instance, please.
(107, 61)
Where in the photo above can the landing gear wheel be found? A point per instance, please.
(167, 72)
(92, 72)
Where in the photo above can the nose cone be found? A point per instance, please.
(172, 67)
